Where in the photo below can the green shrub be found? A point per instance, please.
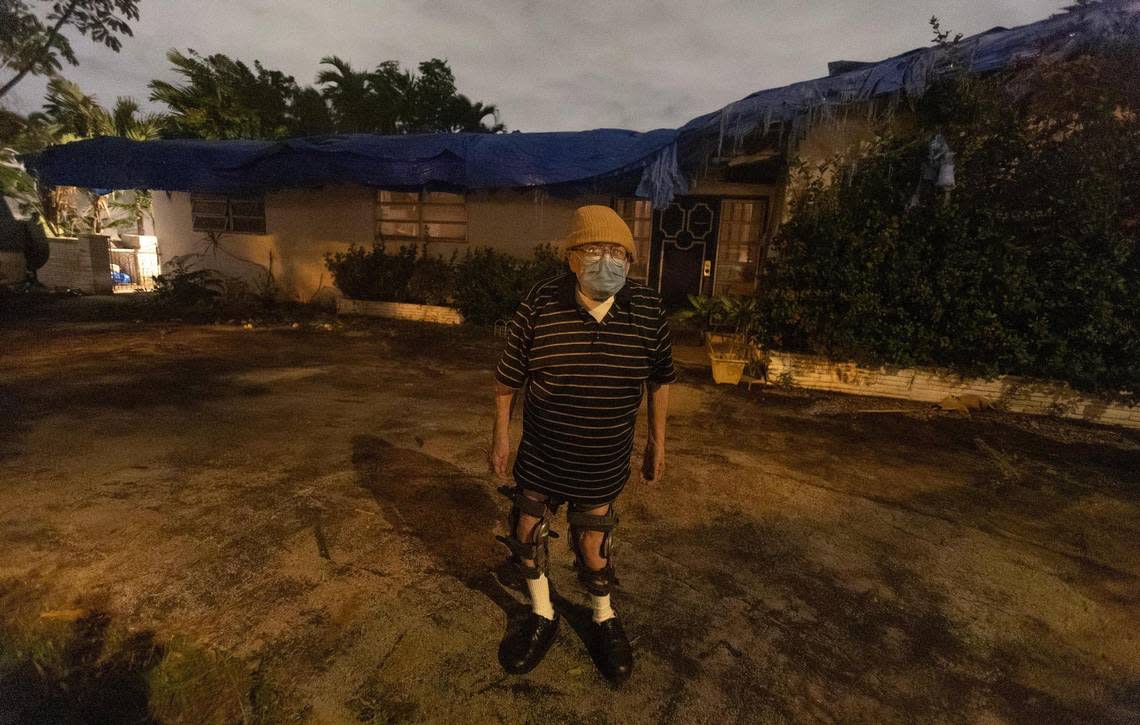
(184, 286)
(1030, 266)
(490, 285)
(484, 284)
(432, 281)
(372, 275)
(547, 262)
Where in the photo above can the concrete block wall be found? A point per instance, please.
(62, 268)
(1015, 394)
(400, 311)
(95, 263)
(83, 264)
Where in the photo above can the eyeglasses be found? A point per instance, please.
(594, 252)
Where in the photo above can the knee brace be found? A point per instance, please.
(597, 581)
(537, 548)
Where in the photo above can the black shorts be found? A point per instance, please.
(554, 501)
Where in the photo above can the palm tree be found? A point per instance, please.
(468, 116)
(394, 90)
(72, 113)
(223, 98)
(354, 102)
(69, 114)
(309, 114)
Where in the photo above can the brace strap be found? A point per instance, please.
(520, 549)
(592, 522)
(597, 582)
(526, 504)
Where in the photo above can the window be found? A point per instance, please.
(742, 224)
(638, 214)
(222, 213)
(421, 216)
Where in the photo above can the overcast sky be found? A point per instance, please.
(548, 66)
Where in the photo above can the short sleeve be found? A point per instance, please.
(663, 372)
(512, 368)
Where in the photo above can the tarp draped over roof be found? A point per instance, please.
(556, 159)
(454, 160)
(911, 73)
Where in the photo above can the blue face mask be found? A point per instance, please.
(602, 279)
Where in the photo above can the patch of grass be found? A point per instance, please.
(78, 667)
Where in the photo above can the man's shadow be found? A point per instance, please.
(453, 516)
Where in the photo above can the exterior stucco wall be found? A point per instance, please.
(303, 224)
(842, 136)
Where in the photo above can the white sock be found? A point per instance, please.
(602, 608)
(540, 596)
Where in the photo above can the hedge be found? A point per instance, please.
(1029, 266)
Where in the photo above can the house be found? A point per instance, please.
(702, 200)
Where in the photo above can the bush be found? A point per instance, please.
(547, 262)
(432, 281)
(1030, 266)
(183, 286)
(490, 285)
(485, 285)
(372, 275)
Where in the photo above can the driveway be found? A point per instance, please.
(214, 524)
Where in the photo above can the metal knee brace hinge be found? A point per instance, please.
(597, 582)
(538, 548)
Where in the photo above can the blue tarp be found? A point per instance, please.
(557, 159)
(910, 74)
(455, 160)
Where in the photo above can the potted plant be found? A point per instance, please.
(731, 326)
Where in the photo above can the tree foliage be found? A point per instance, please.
(69, 114)
(31, 37)
(223, 98)
(1030, 266)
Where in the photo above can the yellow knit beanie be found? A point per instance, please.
(597, 224)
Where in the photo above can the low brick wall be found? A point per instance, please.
(399, 311)
(1015, 394)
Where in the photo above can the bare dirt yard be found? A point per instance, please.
(203, 523)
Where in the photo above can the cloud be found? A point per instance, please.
(546, 65)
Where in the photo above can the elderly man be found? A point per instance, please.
(585, 345)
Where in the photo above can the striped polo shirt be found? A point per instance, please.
(584, 383)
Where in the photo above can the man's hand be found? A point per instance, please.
(653, 464)
(499, 453)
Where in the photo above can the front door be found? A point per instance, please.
(684, 249)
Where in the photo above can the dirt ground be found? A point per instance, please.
(203, 523)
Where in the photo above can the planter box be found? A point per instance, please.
(399, 311)
(1007, 392)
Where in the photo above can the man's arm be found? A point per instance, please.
(653, 466)
(510, 377)
(501, 434)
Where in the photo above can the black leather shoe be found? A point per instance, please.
(525, 648)
(615, 654)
